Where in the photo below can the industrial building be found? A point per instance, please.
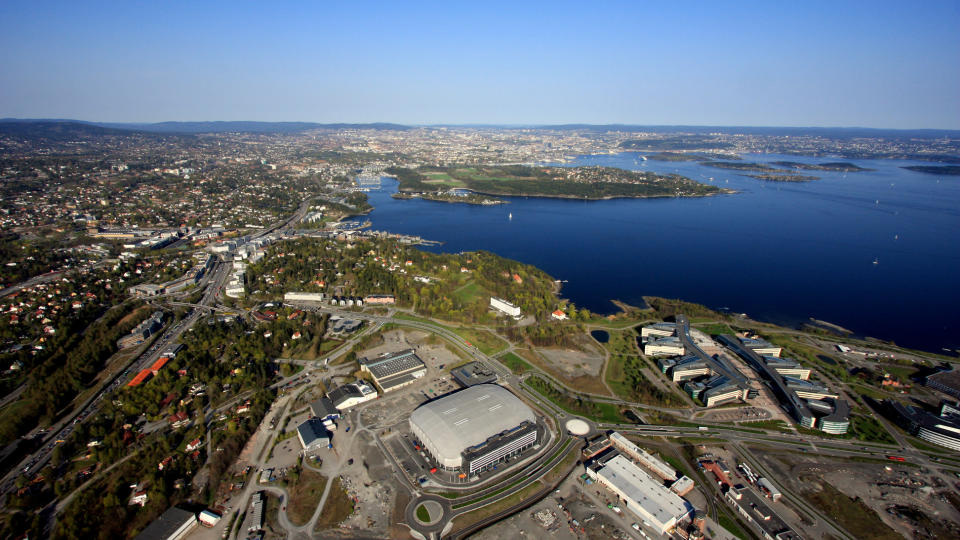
(173, 524)
(295, 296)
(349, 395)
(680, 486)
(754, 509)
(473, 374)
(645, 496)
(324, 409)
(505, 307)
(394, 370)
(254, 520)
(947, 381)
(142, 331)
(313, 436)
(942, 430)
(475, 428)
(655, 464)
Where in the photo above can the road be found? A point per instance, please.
(36, 280)
(63, 428)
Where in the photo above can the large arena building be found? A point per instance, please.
(475, 428)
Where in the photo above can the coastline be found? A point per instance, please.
(721, 191)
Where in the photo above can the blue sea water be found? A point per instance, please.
(876, 252)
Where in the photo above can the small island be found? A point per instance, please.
(588, 183)
(835, 167)
(786, 177)
(688, 156)
(740, 166)
(946, 170)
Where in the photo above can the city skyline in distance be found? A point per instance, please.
(875, 65)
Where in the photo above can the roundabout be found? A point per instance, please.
(427, 514)
(577, 427)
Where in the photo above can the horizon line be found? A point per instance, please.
(11, 119)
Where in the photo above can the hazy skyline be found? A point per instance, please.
(870, 64)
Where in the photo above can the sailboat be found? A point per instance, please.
(510, 216)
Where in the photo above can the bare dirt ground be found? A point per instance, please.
(915, 502)
(568, 515)
(572, 363)
(370, 480)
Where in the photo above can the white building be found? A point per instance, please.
(663, 329)
(642, 494)
(350, 395)
(294, 296)
(313, 436)
(665, 346)
(506, 307)
(655, 464)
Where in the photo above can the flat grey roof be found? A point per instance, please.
(392, 364)
(167, 524)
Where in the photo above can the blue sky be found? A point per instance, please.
(872, 64)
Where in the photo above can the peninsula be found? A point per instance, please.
(590, 183)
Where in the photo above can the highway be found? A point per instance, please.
(64, 427)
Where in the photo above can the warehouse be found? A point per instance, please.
(295, 296)
(395, 370)
(173, 524)
(640, 493)
(313, 436)
(475, 428)
(349, 395)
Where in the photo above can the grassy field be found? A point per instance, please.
(867, 428)
(305, 494)
(852, 514)
(577, 405)
(616, 376)
(515, 363)
(482, 339)
(337, 508)
(469, 293)
(423, 514)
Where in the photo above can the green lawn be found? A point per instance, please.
(577, 405)
(482, 339)
(469, 293)
(423, 514)
(515, 363)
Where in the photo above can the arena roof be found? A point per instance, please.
(467, 418)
